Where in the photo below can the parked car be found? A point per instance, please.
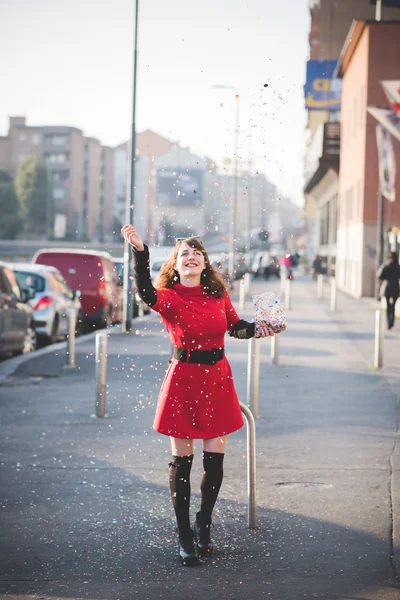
(17, 328)
(265, 265)
(53, 299)
(93, 274)
(137, 302)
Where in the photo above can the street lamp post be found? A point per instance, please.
(130, 196)
(232, 240)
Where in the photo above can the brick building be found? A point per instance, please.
(370, 55)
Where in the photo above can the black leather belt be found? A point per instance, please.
(204, 357)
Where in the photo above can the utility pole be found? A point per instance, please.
(130, 195)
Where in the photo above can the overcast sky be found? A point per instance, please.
(71, 63)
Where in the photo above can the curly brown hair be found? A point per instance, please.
(211, 280)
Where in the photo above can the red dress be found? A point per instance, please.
(197, 401)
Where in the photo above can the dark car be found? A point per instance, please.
(138, 304)
(17, 330)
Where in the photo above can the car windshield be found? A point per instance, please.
(156, 266)
(119, 267)
(30, 280)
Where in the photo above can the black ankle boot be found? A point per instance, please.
(202, 536)
(187, 550)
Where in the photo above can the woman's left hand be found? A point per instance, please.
(266, 331)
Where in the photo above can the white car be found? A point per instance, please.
(53, 298)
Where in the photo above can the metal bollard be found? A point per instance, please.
(242, 294)
(101, 373)
(287, 294)
(71, 338)
(320, 286)
(379, 339)
(275, 349)
(251, 465)
(246, 279)
(253, 375)
(333, 295)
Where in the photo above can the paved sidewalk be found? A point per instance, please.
(85, 508)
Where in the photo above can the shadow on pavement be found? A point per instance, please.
(97, 531)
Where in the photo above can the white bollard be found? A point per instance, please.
(253, 375)
(283, 280)
(246, 279)
(320, 286)
(101, 373)
(71, 338)
(242, 294)
(333, 295)
(379, 340)
(287, 294)
(275, 349)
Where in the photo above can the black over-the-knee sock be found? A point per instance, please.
(179, 484)
(210, 483)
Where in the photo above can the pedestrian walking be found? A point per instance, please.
(286, 262)
(389, 275)
(197, 398)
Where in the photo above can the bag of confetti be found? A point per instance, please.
(268, 312)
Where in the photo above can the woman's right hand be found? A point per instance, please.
(132, 237)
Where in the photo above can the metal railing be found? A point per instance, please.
(251, 465)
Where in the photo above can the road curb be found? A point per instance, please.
(10, 365)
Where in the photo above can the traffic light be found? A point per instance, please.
(263, 235)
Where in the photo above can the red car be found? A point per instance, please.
(93, 274)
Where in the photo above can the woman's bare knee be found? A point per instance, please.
(182, 446)
(216, 444)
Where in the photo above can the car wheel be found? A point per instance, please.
(107, 319)
(30, 340)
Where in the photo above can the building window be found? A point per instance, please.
(57, 140)
(56, 158)
(36, 139)
(22, 137)
(59, 193)
(60, 176)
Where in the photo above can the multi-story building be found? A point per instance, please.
(80, 175)
(369, 56)
(330, 23)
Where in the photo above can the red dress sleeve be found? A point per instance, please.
(231, 315)
(166, 303)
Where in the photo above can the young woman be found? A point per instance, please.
(197, 398)
(389, 275)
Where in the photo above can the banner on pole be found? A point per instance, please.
(387, 163)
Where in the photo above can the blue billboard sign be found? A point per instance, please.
(322, 91)
(180, 186)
